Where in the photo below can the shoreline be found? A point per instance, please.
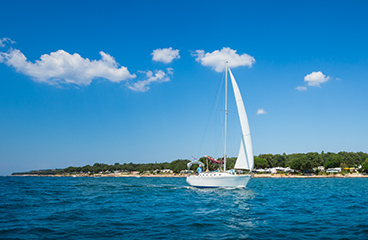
(352, 175)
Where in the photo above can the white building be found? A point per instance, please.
(334, 170)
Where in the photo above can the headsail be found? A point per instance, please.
(245, 156)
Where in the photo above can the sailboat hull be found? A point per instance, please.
(216, 180)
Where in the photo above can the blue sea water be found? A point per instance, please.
(167, 208)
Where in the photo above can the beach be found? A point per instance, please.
(283, 175)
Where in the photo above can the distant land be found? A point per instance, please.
(300, 162)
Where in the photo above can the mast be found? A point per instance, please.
(225, 157)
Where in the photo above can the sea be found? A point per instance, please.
(167, 208)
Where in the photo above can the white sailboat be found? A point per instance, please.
(230, 179)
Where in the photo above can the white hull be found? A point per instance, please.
(215, 180)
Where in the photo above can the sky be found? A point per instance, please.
(137, 81)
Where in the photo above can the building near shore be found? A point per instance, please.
(334, 170)
(274, 170)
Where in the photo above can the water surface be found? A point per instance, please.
(167, 208)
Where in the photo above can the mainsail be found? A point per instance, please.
(245, 156)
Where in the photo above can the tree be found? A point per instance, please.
(349, 158)
(315, 159)
(295, 164)
(279, 160)
(306, 163)
(260, 163)
(230, 163)
(362, 157)
(178, 165)
(269, 158)
(364, 166)
(333, 161)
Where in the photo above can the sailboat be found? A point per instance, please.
(230, 178)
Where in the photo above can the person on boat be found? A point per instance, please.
(199, 169)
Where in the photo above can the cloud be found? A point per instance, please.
(261, 111)
(217, 59)
(315, 79)
(5, 40)
(301, 88)
(159, 77)
(61, 67)
(165, 55)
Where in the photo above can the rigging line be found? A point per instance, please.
(209, 117)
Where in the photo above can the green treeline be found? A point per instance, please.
(308, 161)
(176, 166)
(297, 161)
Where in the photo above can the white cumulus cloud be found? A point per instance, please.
(63, 67)
(316, 78)
(5, 40)
(165, 55)
(261, 111)
(159, 76)
(301, 88)
(217, 59)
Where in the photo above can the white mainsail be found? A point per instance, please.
(245, 156)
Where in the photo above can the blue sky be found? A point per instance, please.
(100, 92)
